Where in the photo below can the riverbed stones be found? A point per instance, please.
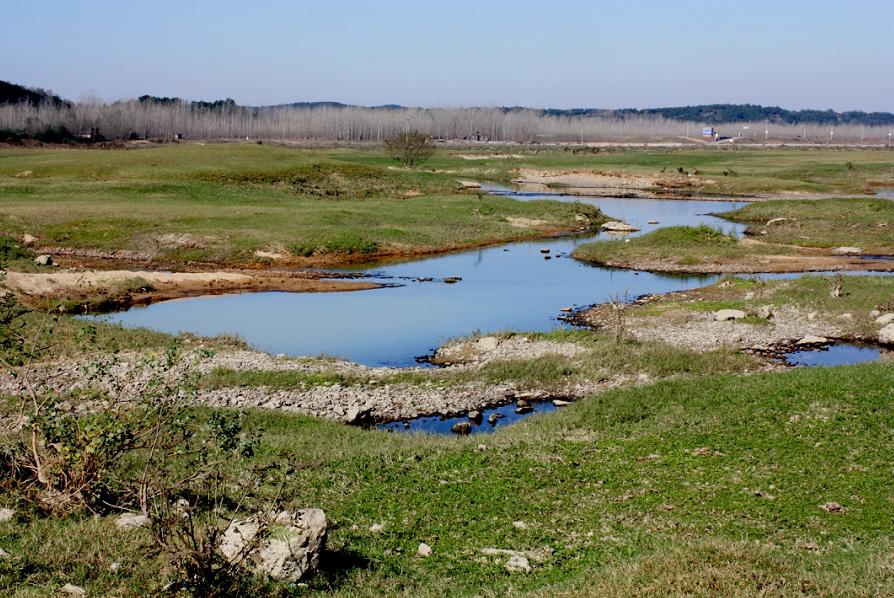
(493, 417)
(452, 279)
(885, 319)
(724, 315)
(616, 226)
(43, 260)
(290, 546)
(811, 339)
(886, 335)
(475, 416)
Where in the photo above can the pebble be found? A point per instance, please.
(6, 515)
(73, 590)
(518, 564)
(376, 528)
(424, 550)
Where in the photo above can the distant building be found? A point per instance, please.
(708, 132)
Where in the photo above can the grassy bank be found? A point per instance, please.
(222, 203)
(711, 486)
(802, 239)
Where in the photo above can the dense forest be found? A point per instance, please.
(38, 114)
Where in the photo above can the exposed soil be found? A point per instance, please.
(91, 290)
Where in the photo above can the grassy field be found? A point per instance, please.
(735, 171)
(223, 202)
(808, 230)
(711, 487)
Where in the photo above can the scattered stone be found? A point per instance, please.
(522, 403)
(524, 410)
(376, 528)
(874, 313)
(846, 316)
(544, 250)
(567, 309)
(886, 335)
(813, 340)
(462, 428)
(43, 260)
(728, 314)
(131, 521)
(452, 279)
(488, 343)
(475, 415)
(28, 240)
(290, 552)
(469, 184)
(6, 515)
(833, 507)
(885, 319)
(493, 417)
(560, 403)
(519, 525)
(765, 312)
(812, 316)
(617, 226)
(424, 550)
(482, 447)
(847, 251)
(357, 414)
(114, 566)
(73, 590)
(518, 564)
(773, 221)
(643, 378)
(653, 222)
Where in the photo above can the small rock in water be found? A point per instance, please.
(619, 227)
(518, 564)
(461, 428)
(524, 410)
(561, 403)
(728, 314)
(653, 222)
(452, 279)
(493, 417)
(424, 550)
(475, 415)
(567, 309)
(546, 257)
(544, 250)
(522, 403)
(813, 340)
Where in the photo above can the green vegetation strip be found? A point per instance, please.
(722, 485)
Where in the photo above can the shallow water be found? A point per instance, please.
(505, 287)
(838, 354)
(437, 425)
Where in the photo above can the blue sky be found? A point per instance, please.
(560, 53)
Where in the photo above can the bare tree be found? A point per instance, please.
(412, 148)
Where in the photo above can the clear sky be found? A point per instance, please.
(553, 53)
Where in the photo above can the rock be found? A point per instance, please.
(293, 547)
(469, 184)
(847, 251)
(73, 590)
(461, 428)
(560, 403)
(617, 226)
(376, 528)
(114, 566)
(749, 296)
(493, 417)
(813, 340)
(812, 316)
(131, 520)
(518, 564)
(522, 403)
(885, 319)
(886, 335)
(874, 313)
(475, 415)
(765, 312)
(728, 314)
(653, 222)
(43, 260)
(28, 240)
(773, 221)
(519, 525)
(452, 279)
(544, 250)
(357, 414)
(424, 550)
(524, 410)
(567, 309)
(487, 343)
(846, 316)
(6, 515)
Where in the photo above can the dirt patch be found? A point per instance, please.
(594, 179)
(520, 222)
(110, 289)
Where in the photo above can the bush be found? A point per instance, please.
(411, 148)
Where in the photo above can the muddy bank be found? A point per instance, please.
(103, 290)
(755, 264)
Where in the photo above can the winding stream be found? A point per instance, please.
(504, 287)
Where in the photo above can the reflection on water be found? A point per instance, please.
(840, 354)
(506, 287)
(435, 425)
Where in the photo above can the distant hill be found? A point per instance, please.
(10, 93)
(731, 113)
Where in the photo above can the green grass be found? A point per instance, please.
(222, 202)
(732, 171)
(866, 223)
(709, 486)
